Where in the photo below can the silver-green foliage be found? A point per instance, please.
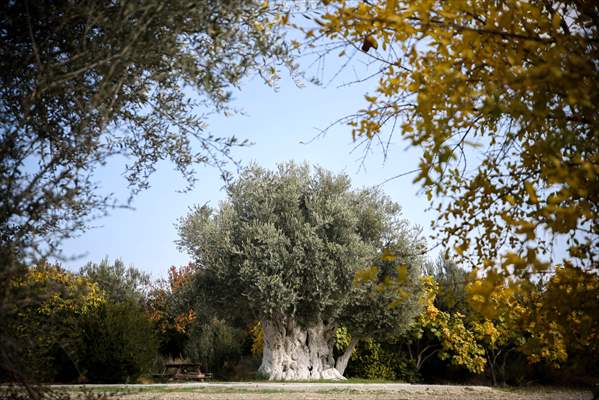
(384, 306)
(82, 81)
(118, 282)
(287, 243)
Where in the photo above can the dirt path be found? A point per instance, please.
(335, 391)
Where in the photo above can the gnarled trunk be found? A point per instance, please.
(294, 352)
(343, 359)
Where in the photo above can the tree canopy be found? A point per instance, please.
(287, 243)
(81, 82)
(501, 99)
(46, 323)
(285, 248)
(118, 282)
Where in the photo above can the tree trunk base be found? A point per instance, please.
(292, 352)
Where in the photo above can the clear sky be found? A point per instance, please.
(280, 124)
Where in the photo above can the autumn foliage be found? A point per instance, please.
(501, 100)
(514, 83)
(162, 307)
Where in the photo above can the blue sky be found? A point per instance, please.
(280, 124)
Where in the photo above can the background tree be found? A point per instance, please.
(501, 332)
(549, 323)
(443, 334)
(118, 343)
(118, 282)
(385, 297)
(566, 309)
(379, 360)
(440, 339)
(216, 345)
(119, 340)
(188, 328)
(170, 306)
(283, 249)
(46, 328)
(452, 280)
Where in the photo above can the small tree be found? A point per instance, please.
(385, 296)
(216, 345)
(442, 334)
(284, 249)
(119, 283)
(546, 322)
(170, 307)
(452, 281)
(118, 343)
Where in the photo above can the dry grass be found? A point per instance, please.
(324, 391)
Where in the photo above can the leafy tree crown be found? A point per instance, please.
(288, 242)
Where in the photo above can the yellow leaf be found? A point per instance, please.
(390, 6)
(556, 21)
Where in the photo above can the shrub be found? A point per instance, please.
(44, 327)
(216, 345)
(380, 360)
(119, 343)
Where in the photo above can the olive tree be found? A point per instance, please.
(84, 81)
(284, 249)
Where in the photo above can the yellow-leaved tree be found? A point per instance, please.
(442, 333)
(507, 323)
(501, 98)
(46, 324)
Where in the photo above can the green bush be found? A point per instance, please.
(217, 346)
(375, 360)
(119, 343)
(371, 362)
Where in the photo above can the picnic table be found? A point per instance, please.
(182, 371)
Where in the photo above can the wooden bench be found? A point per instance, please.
(182, 371)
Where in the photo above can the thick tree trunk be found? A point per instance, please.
(343, 359)
(293, 352)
